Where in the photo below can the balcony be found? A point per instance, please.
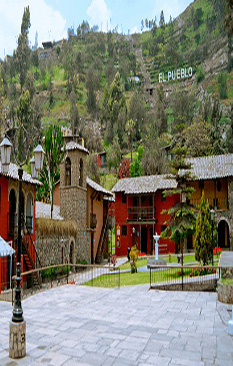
(216, 204)
(140, 214)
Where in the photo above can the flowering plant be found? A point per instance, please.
(217, 251)
(72, 282)
(141, 254)
(202, 272)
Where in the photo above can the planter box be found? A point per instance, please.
(225, 293)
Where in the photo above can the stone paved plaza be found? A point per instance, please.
(77, 325)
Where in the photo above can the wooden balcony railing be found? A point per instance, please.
(216, 204)
(140, 213)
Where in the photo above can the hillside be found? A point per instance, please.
(96, 82)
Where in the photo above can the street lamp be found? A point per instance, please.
(5, 154)
(17, 346)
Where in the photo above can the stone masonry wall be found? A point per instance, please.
(56, 249)
(73, 201)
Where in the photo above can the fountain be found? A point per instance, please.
(156, 261)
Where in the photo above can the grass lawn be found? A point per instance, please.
(139, 278)
(227, 281)
(189, 258)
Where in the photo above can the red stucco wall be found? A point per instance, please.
(121, 219)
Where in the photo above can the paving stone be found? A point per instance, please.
(94, 326)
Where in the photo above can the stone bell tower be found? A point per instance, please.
(73, 192)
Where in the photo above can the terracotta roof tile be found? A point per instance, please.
(210, 167)
(143, 185)
(13, 173)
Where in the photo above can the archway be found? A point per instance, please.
(68, 172)
(12, 218)
(223, 235)
(29, 213)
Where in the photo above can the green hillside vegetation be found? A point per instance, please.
(89, 85)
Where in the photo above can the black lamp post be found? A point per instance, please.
(5, 147)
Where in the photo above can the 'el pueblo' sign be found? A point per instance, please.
(182, 73)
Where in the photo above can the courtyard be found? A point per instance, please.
(79, 325)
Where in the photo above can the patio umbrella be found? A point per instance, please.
(5, 248)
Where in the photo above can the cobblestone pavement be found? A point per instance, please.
(78, 325)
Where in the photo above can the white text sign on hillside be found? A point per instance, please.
(183, 73)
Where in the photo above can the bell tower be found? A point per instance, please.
(73, 192)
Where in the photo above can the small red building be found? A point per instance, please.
(139, 203)
(9, 220)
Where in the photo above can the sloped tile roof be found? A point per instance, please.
(211, 167)
(43, 210)
(74, 146)
(13, 173)
(98, 188)
(143, 185)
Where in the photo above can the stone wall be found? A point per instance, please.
(56, 249)
(73, 200)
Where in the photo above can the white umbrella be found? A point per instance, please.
(5, 248)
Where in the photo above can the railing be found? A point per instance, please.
(140, 213)
(102, 238)
(11, 224)
(56, 275)
(187, 278)
(218, 203)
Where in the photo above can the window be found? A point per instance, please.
(163, 198)
(81, 173)
(124, 230)
(123, 198)
(68, 172)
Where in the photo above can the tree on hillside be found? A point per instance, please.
(92, 84)
(92, 135)
(217, 141)
(68, 61)
(162, 20)
(197, 139)
(135, 166)
(154, 160)
(203, 236)
(74, 115)
(137, 112)
(25, 126)
(130, 125)
(53, 144)
(182, 218)
(183, 110)
(23, 51)
(116, 102)
(93, 170)
(114, 154)
(229, 140)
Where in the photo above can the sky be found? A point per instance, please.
(51, 18)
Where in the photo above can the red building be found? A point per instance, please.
(9, 220)
(138, 213)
